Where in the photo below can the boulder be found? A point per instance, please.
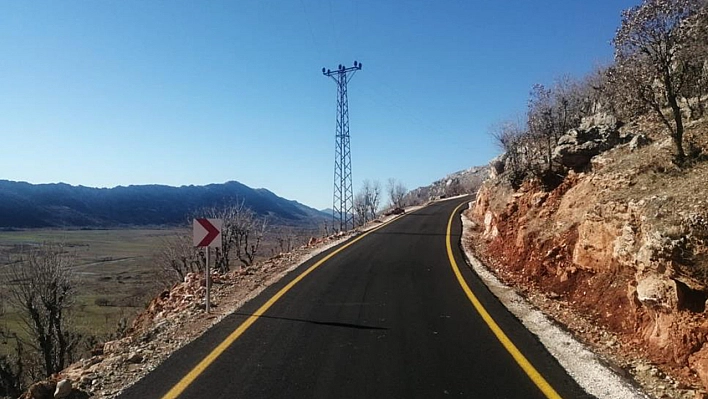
(576, 148)
(497, 165)
(655, 291)
(63, 389)
(490, 228)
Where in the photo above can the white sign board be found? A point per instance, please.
(207, 233)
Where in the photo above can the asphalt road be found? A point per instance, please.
(386, 317)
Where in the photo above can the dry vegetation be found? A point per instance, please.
(113, 269)
(607, 222)
(114, 275)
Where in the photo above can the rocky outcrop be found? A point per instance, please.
(576, 148)
(497, 166)
(600, 119)
(625, 245)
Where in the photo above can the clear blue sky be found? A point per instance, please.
(107, 93)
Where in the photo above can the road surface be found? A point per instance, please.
(385, 316)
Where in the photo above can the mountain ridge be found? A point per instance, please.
(57, 205)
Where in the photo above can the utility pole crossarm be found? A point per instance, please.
(342, 69)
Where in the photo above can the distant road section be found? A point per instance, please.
(384, 317)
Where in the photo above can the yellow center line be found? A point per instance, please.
(528, 368)
(189, 378)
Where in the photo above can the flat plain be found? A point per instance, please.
(115, 272)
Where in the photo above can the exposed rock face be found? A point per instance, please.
(699, 363)
(595, 247)
(616, 259)
(578, 146)
(599, 119)
(490, 228)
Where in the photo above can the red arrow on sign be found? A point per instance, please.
(206, 232)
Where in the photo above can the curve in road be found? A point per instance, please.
(387, 314)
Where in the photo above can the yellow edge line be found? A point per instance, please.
(528, 368)
(216, 352)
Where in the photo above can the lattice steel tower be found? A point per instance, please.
(343, 202)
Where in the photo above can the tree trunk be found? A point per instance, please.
(677, 135)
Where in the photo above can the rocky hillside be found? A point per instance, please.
(621, 243)
(462, 182)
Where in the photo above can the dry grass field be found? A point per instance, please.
(114, 269)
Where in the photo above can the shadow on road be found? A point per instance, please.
(321, 323)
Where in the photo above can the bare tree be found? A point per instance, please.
(177, 257)
(373, 197)
(41, 288)
(694, 53)
(10, 378)
(361, 207)
(367, 201)
(528, 146)
(242, 233)
(287, 239)
(540, 121)
(647, 45)
(552, 112)
(510, 136)
(626, 91)
(599, 91)
(396, 192)
(10, 372)
(572, 100)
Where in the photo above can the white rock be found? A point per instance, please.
(601, 118)
(63, 389)
(658, 291)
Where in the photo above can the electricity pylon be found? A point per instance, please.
(343, 201)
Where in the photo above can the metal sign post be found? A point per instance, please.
(208, 280)
(207, 234)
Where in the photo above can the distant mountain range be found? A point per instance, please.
(24, 205)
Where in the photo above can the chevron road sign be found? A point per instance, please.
(207, 233)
